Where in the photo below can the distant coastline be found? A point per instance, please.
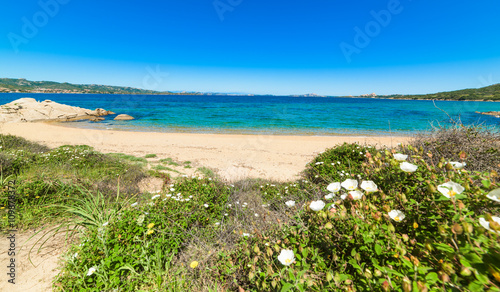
(11, 85)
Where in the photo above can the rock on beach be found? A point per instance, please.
(30, 110)
(123, 117)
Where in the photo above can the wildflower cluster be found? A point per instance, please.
(402, 224)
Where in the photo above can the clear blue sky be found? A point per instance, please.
(330, 47)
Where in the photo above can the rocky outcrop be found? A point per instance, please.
(492, 113)
(123, 117)
(30, 110)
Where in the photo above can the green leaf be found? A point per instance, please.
(287, 287)
(378, 249)
(475, 286)
(486, 183)
(473, 258)
(482, 278)
(432, 278)
(444, 247)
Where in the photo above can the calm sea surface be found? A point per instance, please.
(271, 114)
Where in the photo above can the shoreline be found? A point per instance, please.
(232, 156)
(102, 126)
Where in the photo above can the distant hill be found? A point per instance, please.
(487, 93)
(491, 92)
(23, 85)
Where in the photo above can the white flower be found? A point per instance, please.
(486, 224)
(172, 189)
(450, 189)
(217, 223)
(246, 234)
(397, 215)
(400, 157)
(75, 255)
(408, 167)
(317, 205)
(329, 196)
(134, 204)
(333, 187)
(205, 205)
(105, 224)
(286, 257)
(256, 215)
(369, 186)
(458, 165)
(154, 197)
(343, 196)
(91, 271)
(356, 195)
(290, 203)
(494, 195)
(350, 184)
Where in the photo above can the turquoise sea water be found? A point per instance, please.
(271, 114)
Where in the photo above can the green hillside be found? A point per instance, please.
(491, 92)
(23, 85)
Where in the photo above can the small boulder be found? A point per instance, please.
(97, 119)
(123, 117)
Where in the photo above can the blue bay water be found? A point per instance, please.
(272, 114)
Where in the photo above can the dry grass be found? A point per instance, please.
(478, 146)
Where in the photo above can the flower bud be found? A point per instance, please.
(368, 273)
(386, 208)
(460, 205)
(467, 227)
(431, 188)
(448, 268)
(449, 166)
(406, 284)
(415, 261)
(465, 272)
(405, 237)
(457, 229)
(445, 278)
(428, 245)
(442, 230)
(378, 273)
(421, 287)
(386, 286)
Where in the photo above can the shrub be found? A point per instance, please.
(143, 237)
(435, 243)
(11, 142)
(478, 146)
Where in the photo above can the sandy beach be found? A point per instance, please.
(232, 157)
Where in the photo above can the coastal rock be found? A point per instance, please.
(96, 119)
(123, 117)
(491, 113)
(30, 110)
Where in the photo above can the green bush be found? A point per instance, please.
(143, 237)
(355, 245)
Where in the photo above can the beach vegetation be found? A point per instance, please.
(206, 172)
(360, 219)
(162, 167)
(169, 161)
(152, 155)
